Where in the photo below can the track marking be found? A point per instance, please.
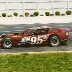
(18, 53)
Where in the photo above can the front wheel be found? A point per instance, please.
(7, 43)
(54, 41)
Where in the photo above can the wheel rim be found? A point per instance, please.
(55, 41)
(7, 44)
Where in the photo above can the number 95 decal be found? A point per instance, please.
(38, 40)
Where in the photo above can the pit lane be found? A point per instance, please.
(67, 47)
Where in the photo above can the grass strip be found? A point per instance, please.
(49, 62)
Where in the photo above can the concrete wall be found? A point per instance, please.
(32, 20)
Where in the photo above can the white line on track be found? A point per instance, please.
(18, 53)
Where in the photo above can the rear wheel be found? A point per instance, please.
(7, 43)
(54, 41)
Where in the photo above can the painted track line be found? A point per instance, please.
(18, 53)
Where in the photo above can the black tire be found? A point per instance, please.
(54, 41)
(7, 43)
(64, 42)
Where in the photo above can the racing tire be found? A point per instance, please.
(64, 42)
(54, 41)
(7, 43)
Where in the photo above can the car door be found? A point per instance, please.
(39, 36)
(30, 36)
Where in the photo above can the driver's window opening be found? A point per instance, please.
(40, 31)
(35, 32)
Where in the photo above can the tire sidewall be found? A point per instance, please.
(6, 46)
(51, 43)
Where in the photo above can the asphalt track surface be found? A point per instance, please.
(7, 29)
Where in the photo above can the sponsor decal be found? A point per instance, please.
(35, 39)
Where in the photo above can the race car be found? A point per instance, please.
(35, 36)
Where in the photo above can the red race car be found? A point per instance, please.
(35, 36)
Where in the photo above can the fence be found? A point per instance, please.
(22, 6)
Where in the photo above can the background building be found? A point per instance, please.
(31, 6)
